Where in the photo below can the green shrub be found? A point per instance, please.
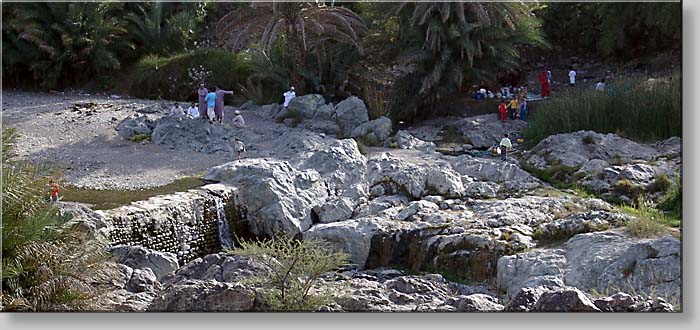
(648, 222)
(452, 134)
(672, 201)
(640, 110)
(558, 175)
(627, 188)
(661, 183)
(140, 138)
(588, 139)
(295, 268)
(177, 77)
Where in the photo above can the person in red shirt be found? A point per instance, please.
(54, 190)
(544, 82)
(502, 110)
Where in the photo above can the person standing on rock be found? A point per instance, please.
(239, 148)
(288, 96)
(513, 107)
(211, 104)
(202, 92)
(502, 110)
(54, 190)
(505, 145)
(219, 107)
(238, 120)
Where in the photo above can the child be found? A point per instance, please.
(502, 110)
(239, 147)
(505, 146)
(54, 190)
(513, 107)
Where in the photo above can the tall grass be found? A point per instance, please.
(640, 109)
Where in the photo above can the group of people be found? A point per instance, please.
(514, 109)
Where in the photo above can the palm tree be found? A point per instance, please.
(302, 26)
(453, 42)
(74, 41)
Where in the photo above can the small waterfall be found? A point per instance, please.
(224, 231)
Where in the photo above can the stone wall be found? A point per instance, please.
(184, 223)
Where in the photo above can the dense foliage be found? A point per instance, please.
(613, 29)
(641, 109)
(45, 265)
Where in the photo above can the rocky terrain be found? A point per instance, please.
(409, 216)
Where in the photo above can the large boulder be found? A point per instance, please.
(340, 163)
(352, 236)
(576, 149)
(405, 140)
(277, 198)
(132, 125)
(351, 113)
(268, 111)
(307, 105)
(486, 130)
(564, 300)
(380, 127)
(193, 134)
(509, 176)
(137, 257)
(531, 269)
(391, 291)
(399, 176)
(212, 283)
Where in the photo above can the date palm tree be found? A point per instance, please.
(302, 26)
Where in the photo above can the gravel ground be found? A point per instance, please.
(84, 143)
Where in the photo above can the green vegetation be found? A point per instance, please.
(649, 222)
(109, 199)
(558, 175)
(140, 138)
(179, 76)
(45, 266)
(617, 30)
(295, 268)
(672, 201)
(452, 134)
(588, 139)
(642, 110)
(361, 147)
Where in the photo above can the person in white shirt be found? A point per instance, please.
(193, 111)
(177, 110)
(288, 96)
(505, 146)
(600, 86)
(572, 77)
(238, 121)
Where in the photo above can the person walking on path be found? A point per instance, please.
(239, 148)
(502, 110)
(572, 76)
(211, 104)
(505, 145)
(544, 84)
(513, 107)
(202, 92)
(238, 120)
(219, 107)
(523, 109)
(288, 96)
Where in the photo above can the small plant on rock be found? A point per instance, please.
(138, 138)
(296, 268)
(588, 139)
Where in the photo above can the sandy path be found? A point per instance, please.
(87, 147)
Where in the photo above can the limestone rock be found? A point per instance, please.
(405, 140)
(137, 257)
(132, 125)
(381, 127)
(351, 113)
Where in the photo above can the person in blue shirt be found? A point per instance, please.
(211, 104)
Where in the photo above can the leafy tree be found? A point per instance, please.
(295, 268)
(165, 28)
(456, 42)
(305, 27)
(61, 42)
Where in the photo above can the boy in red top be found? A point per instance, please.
(502, 110)
(54, 190)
